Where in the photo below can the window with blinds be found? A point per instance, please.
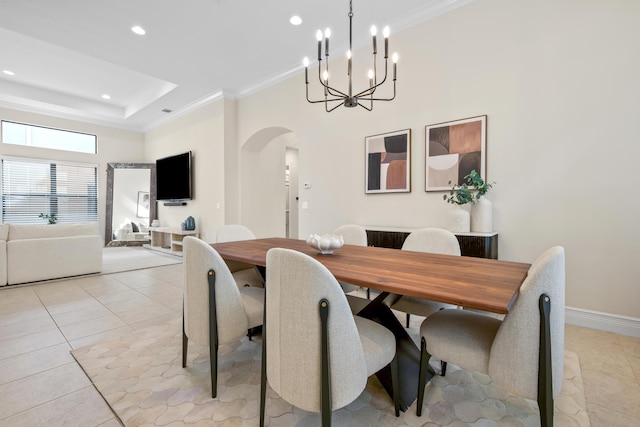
(31, 187)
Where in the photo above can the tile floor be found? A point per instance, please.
(42, 385)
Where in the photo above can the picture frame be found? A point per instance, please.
(388, 162)
(452, 150)
(142, 210)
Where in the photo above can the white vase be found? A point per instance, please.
(481, 216)
(459, 219)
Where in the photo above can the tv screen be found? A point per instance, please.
(173, 177)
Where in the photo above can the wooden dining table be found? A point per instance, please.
(476, 283)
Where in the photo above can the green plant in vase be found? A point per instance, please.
(470, 191)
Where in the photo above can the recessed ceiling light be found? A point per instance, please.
(106, 96)
(9, 73)
(295, 20)
(138, 30)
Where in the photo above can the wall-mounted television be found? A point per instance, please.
(173, 178)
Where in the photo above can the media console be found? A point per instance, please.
(169, 239)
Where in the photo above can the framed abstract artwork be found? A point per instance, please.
(453, 150)
(388, 162)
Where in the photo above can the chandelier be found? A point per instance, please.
(334, 98)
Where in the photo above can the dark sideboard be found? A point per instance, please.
(480, 245)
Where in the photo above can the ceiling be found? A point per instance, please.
(65, 54)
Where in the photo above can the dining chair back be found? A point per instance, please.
(352, 234)
(244, 274)
(233, 233)
(524, 352)
(431, 240)
(316, 355)
(215, 310)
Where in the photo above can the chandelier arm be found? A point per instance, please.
(370, 90)
(332, 91)
(371, 98)
(328, 110)
(335, 92)
(365, 107)
(381, 99)
(341, 100)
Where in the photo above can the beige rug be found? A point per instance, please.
(127, 258)
(141, 378)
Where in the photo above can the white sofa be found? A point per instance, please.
(34, 252)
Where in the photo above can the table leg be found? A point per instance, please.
(407, 352)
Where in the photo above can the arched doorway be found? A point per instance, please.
(269, 183)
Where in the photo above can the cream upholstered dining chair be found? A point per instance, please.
(244, 274)
(524, 353)
(432, 240)
(215, 310)
(352, 234)
(316, 355)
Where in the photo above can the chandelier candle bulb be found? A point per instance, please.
(305, 62)
(385, 32)
(327, 34)
(395, 64)
(374, 31)
(319, 38)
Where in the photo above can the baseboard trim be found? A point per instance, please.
(603, 321)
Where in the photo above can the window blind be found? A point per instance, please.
(31, 187)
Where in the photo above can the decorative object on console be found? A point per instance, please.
(472, 191)
(189, 223)
(459, 219)
(325, 244)
(482, 216)
(348, 99)
(453, 150)
(388, 162)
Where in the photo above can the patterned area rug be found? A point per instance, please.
(141, 378)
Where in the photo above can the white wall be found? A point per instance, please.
(113, 146)
(201, 132)
(558, 81)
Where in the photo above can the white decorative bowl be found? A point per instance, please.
(325, 244)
